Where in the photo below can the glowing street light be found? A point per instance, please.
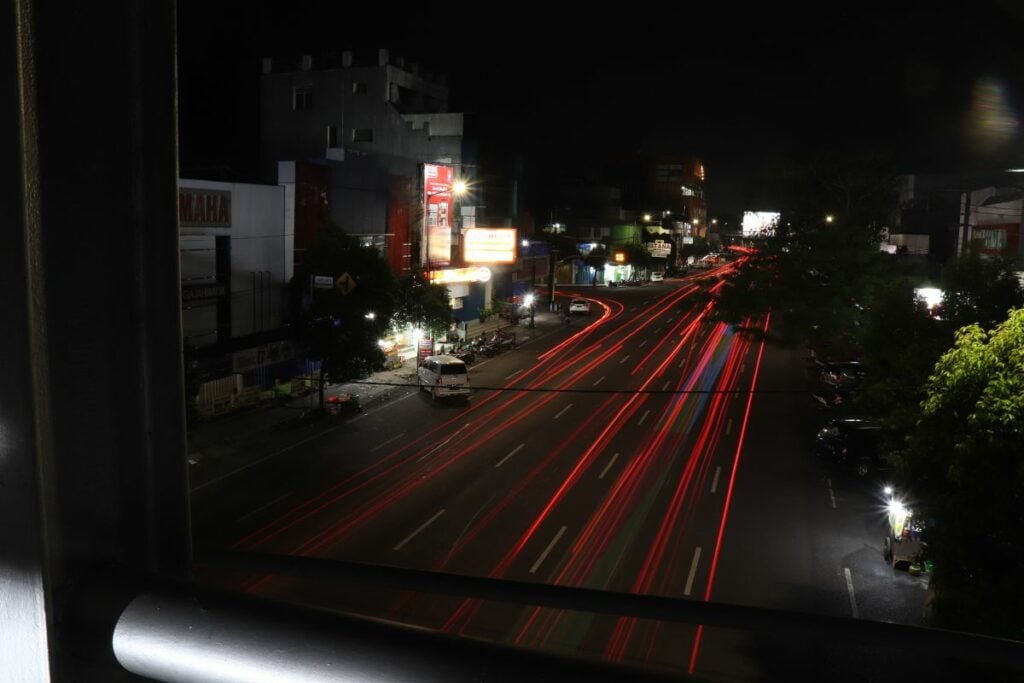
(647, 218)
(370, 316)
(829, 218)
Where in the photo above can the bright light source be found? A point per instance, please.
(417, 334)
(525, 243)
(896, 508)
(370, 316)
(696, 221)
(931, 296)
(1015, 170)
(528, 300)
(647, 218)
(714, 221)
(829, 218)
(459, 187)
(887, 490)
(383, 343)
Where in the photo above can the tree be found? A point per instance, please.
(424, 304)
(343, 329)
(965, 468)
(812, 272)
(979, 290)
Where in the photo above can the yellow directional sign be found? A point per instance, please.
(345, 283)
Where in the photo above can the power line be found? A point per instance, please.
(593, 391)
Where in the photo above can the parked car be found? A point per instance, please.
(657, 277)
(579, 306)
(852, 443)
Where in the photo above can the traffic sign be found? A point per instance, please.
(323, 282)
(345, 283)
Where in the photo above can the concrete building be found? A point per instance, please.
(370, 124)
(934, 205)
(236, 248)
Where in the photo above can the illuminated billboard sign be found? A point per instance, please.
(452, 275)
(437, 210)
(659, 248)
(760, 223)
(490, 245)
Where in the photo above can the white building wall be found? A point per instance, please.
(261, 261)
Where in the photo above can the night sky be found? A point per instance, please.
(589, 97)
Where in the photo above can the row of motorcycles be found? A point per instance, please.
(485, 345)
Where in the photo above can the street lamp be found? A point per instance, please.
(829, 218)
(529, 301)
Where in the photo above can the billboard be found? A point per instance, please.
(437, 211)
(489, 245)
(760, 223)
(659, 248)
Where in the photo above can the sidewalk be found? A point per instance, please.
(221, 446)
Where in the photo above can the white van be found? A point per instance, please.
(444, 376)
(657, 276)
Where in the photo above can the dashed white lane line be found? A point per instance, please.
(385, 443)
(441, 445)
(562, 411)
(547, 550)
(666, 385)
(599, 380)
(514, 451)
(608, 466)
(714, 482)
(849, 589)
(682, 363)
(642, 344)
(728, 427)
(657, 330)
(831, 495)
(644, 417)
(693, 571)
(624, 359)
(263, 507)
(420, 528)
(514, 374)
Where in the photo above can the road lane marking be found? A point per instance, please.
(263, 507)
(562, 411)
(599, 380)
(665, 386)
(632, 309)
(657, 330)
(742, 368)
(385, 443)
(514, 451)
(831, 496)
(624, 359)
(728, 427)
(441, 445)
(646, 413)
(514, 374)
(267, 457)
(543, 555)
(608, 466)
(693, 571)
(419, 529)
(849, 589)
(642, 344)
(682, 363)
(714, 482)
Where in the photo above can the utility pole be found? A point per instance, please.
(553, 262)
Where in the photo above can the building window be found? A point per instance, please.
(332, 136)
(991, 239)
(358, 88)
(362, 135)
(302, 99)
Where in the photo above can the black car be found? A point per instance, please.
(852, 443)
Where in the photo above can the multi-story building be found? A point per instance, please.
(369, 125)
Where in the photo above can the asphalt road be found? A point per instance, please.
(623, 452)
